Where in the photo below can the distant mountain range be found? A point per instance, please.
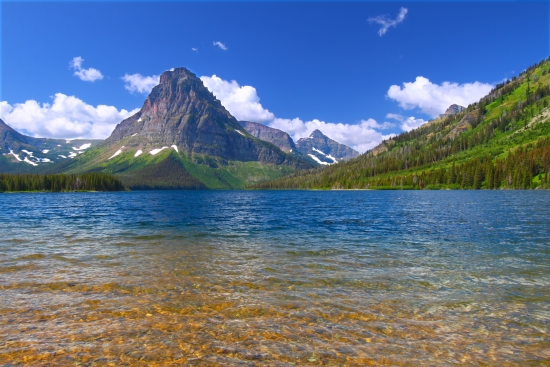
(181, 138)
(24, 154)
(318, 146)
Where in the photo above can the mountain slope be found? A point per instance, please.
(24, 154)
(182, 119)
(274, 136)
(324, 150)
(502, 141)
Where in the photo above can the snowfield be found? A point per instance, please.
(83, 146)
(16, 156)
(26, 160)
(318, 160)
(326, 155)
(117, 152)
(158, 150)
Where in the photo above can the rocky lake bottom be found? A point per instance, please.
(275, 278)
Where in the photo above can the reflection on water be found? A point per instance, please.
(275, 278)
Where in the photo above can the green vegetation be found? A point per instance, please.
(502, 141)
(172, 170)
(60, 182)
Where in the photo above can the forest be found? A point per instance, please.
(60, 182)
(499, 142)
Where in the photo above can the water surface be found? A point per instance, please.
(275, 278)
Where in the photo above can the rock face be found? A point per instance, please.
(274, 136)
(9, 138)
(452, 110)
(181, 111)
(463, 125)
(325, 150)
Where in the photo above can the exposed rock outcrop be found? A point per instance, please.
(452, 110)
(464, 124)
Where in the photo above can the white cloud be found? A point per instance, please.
(406, 123)
(220, 45)
(360, 137)
(376, 125)
(195, 49)
(139, 83)
(68, 117)
(386, 22)
(242, 102)
(87, 75)
(434, 99)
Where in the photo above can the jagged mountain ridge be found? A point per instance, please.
(324, 150)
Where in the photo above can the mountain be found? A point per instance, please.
(452, 110)
(500, 142)
(274, 136)
(24, 154)
(181, 120)
(324, 150)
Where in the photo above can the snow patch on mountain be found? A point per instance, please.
(26, 160)
(156, 151)
(15, 155)
(318, 160)
(117, 152)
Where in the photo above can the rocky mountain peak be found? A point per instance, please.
(181, 112)
(176, 73)
(317, 134)
(452, 110)
(181, 92)
(323, 149)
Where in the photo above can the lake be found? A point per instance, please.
(275, 278)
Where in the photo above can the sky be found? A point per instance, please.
(358, 71)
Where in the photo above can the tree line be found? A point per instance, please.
(60, 182)
(527, 167)
(506, 124)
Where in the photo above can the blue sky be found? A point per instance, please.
(296, 65)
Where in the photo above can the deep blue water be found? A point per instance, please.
(435, 277)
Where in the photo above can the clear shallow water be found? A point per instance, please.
(275, 278)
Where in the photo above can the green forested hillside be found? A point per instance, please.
(502, 141)
(60, 182)
(170, 169)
